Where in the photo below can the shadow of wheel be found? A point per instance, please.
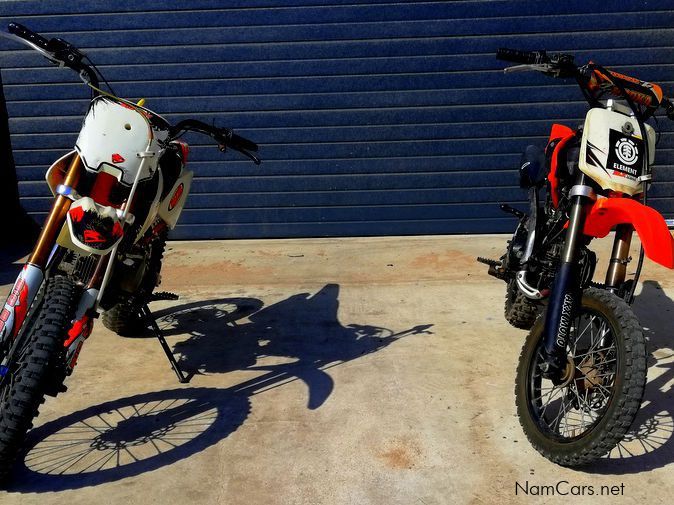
(126, 437)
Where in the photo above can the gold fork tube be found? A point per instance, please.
(617, 269)
(56, 217)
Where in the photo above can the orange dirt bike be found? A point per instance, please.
(582, 369)
(115, 197)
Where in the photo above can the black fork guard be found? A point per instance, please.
(566, 294)
(562, 305)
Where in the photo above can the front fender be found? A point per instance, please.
(649, 224)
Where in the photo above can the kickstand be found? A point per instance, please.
(154, 327)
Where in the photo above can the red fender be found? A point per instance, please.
(606, 213)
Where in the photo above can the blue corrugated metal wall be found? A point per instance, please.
(375, 118)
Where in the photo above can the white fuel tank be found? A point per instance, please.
(612, 152)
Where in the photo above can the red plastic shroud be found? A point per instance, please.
(606, 213)
(563, 134)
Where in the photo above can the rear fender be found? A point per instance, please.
(649, 224)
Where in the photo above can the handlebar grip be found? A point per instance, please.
(26, 34)
(237, 141)
(525, 57)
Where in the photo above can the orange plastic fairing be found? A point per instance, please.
(606, 213)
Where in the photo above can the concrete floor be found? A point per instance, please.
(328, 371)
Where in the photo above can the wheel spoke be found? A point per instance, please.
(582, 355)
(588, 325)
(580, 405)
(560, 415)
(550, 398)
(601, 338)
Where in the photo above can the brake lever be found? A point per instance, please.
(551, 69)
(251, 156)
(538, 67)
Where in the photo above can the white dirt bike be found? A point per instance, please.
(116, 195)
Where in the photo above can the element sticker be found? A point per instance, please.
(625, 155)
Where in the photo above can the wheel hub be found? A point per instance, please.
(567, 373)
(588, 375)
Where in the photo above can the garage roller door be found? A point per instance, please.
(375, 118)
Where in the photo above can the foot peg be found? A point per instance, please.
(163, 295)
(487, 261)
(495, 267)
(511, 210)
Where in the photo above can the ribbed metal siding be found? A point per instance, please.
(375, 118)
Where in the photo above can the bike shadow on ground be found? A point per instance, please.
(298, 338)
(649, 443)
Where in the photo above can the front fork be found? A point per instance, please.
(30, 280)
(620, 257)
(566, 294)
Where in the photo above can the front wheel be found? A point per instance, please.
(587, 413)
(32, 374)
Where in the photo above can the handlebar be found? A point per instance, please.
(64, 54)
(593, 79)
(238, 142)
(524, 57)
(225, 137)
(26, 34)
(57, 51)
